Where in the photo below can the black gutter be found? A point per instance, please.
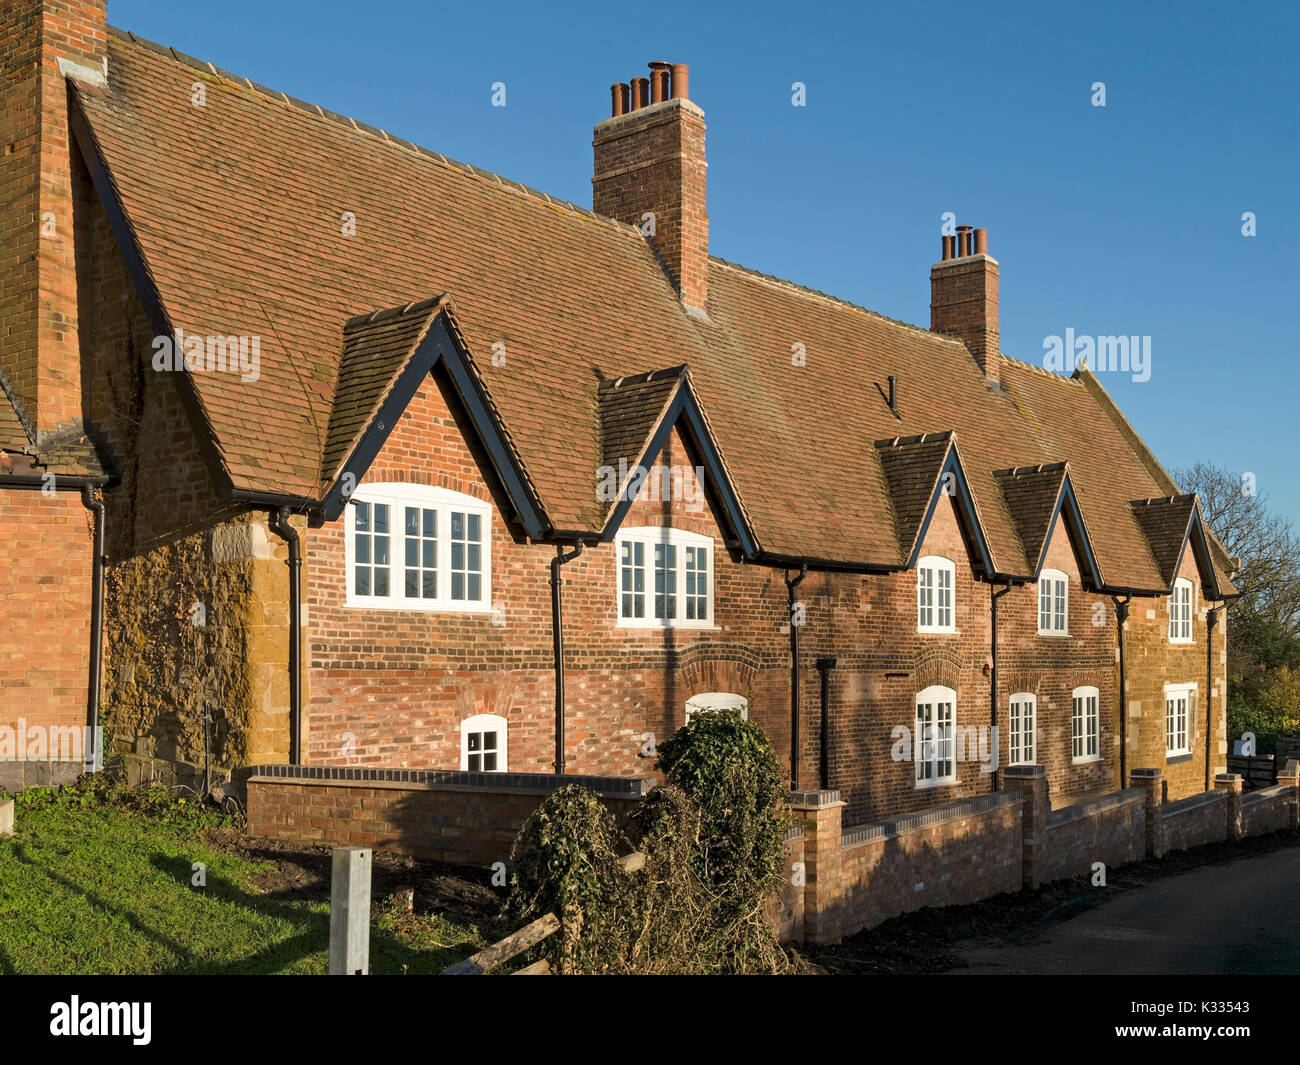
(1211, 620)
(1121, 616)
(557, 633)
(824, 667)
(91, 499)
(993, 679)
(791, 583)
(280, 525)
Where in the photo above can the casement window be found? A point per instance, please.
(935, 579)
(483, 744)
(1024, 729)
(412, 547)
(936, 719)
(1085, 725)
(1180, 706)
(665, 579)
(1180, 612)
(707, 701)
(1053, 603)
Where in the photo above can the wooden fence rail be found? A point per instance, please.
(522, 939)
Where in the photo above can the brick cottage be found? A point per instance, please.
(547, 480)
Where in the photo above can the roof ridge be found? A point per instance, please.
(1042, 467)
(1185, 497)
(487, 177)
(680, 370)
(805, 290)
(418, 307)
(911, 441)
(1041, 371)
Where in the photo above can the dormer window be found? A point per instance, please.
(1180, 612)
(1053, 603)
(935, 580)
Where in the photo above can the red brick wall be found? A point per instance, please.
(45, 605)
(401, 681)
(1111, 831)
(1153, 661)
(1202, 822)
(461, 825)
(39, 308)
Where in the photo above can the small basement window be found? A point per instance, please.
(483, 744)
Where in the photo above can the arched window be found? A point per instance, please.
(1053, 603)
(483, 744)
(706, 701)
(1023, 748)
(413, 547)
(936, 718)
(935, 579)
(1084, 725)
(1180, 611)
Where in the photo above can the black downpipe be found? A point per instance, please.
(791, 583)
(1121, 616)
(280, 525)
(1211, 620)
(557, 633)
(824, 667)
(993, 680)
(91, 499)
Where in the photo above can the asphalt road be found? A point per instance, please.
(1238, 918)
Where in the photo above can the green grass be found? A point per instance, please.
(98, 887)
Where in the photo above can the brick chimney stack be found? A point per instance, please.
(42, 44)
(650, 162)
(964, 297)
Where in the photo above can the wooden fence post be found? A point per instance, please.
(350, 912)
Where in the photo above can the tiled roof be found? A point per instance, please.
(912, 467)
(1031, 494)
(630, 408)
(67, 452)
(258, 214)
(375, 348)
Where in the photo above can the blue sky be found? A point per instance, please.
(1125, 219)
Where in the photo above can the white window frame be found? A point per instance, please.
(1091, 715)
(706, 701)
(943, 755)
(1055, 587)
(397, 496)
(1174, 694)
(683, 544)
(482, 723)
(1023, 728)
(931, 572)
(1182, 611)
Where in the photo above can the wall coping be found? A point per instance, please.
(900, 826)
(1192, 802)
(446, 780)
(1276, 791)
(1088, 807)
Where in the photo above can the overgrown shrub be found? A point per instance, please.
(711, 836)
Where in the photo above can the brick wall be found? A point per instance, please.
(1110, 829)
(45, 590)
(462, 818)
(1191, 822)
(389, 687)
